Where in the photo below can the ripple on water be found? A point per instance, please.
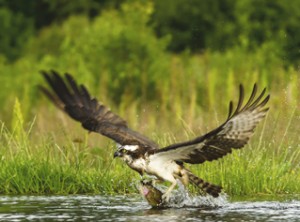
(134, 208)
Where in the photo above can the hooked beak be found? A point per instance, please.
(117, 154)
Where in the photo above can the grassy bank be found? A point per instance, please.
(54, 155)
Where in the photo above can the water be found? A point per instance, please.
(134, 208)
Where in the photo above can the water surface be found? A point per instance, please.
(134, 208)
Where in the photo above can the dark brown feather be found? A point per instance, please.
(77, 103)
(234, 133)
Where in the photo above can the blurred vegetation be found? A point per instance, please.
(118, 55)
(165, 66)
(196, 26)
(225, 24)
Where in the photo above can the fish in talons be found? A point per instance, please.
(153, 195)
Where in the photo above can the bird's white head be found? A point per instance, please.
(127, 152)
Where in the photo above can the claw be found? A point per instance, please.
(167, 194)
(165, 197)
(146, 181)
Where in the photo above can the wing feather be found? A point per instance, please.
(241, 99)
(77, 102)
(234, 133)
(252, 96)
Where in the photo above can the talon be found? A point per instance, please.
(165, 197)
(145, 181)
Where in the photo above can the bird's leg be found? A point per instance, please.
(184, 179)
(166, 195)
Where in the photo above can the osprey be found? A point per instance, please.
(142, 154)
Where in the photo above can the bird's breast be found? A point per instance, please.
(138, 165)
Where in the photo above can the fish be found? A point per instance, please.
(151, 193)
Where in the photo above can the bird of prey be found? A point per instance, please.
(144, 155)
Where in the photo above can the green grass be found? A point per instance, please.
(49, 168)
(44, 167)
(64, 159)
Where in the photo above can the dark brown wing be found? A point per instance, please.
(235, 132)
(76, 101)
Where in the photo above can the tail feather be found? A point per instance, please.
(213, 190)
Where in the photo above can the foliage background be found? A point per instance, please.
(168, 67)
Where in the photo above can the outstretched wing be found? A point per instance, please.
(234, 133)
(76, 101)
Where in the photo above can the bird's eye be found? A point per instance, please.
(124, 151)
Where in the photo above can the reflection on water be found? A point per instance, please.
(134, 208)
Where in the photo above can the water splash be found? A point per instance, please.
(182, 198)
